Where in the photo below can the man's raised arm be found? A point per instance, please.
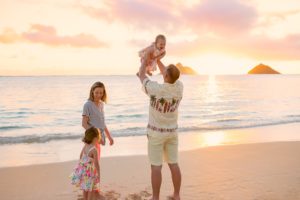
(161, 67)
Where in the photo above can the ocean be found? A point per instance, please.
(40, 110)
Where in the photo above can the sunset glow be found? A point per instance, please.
(86, 37)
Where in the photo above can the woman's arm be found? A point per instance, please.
(107, 133)
(85, 122)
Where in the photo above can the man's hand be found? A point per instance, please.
(161, 55)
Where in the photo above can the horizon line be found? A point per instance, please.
(135, 75)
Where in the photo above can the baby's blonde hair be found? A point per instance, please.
(160, 37)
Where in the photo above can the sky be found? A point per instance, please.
(103, 37)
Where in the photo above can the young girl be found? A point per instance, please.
(150, 54)
(93, 113)
(87, 173)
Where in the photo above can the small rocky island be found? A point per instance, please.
(185, 69)
(263, 69)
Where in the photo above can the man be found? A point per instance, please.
(162, 126)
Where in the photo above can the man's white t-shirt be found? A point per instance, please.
(164, 102)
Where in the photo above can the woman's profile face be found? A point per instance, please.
(98, 93)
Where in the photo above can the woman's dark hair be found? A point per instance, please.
(94, 86)
(90, 134)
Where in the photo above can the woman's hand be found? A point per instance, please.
(111, 141)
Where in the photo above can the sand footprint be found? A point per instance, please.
(79, 197)
(143, 195)
(111, 195)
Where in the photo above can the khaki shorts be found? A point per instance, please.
(162, 145)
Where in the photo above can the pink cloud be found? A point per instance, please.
(47, 35)
(220, 16)
(258, 47)
(137, 13)
(229, 21)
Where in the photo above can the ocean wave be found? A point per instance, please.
(228, 120)
(226, 127)
(37, 139)
(132, 131)
(13, 127)
(129, 116)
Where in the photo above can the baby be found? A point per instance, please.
(150, 54)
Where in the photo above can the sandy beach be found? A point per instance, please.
(256, 171)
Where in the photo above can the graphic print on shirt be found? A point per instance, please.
(163, 105)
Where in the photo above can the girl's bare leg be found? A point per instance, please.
(85, 195)
(90, 196)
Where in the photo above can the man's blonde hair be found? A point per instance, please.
(173, 73)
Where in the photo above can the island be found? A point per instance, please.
(185, 69)
(263, 69)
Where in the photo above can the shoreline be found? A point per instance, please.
(229, 172)
(68, 150)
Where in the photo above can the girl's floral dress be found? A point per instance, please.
(85, 175)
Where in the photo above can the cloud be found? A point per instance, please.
(219, 25)
(257, 47)
(137, 13)
(219, 16)
(9, 36)
(48, 35)
(272, 18)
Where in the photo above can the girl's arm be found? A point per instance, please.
(81, 153)
(85, 122)
(107, 133)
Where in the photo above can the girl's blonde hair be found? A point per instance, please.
(94, 86)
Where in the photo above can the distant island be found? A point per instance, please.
(263, 69)
(185, 69)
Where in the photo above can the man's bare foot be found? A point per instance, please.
(149, 73)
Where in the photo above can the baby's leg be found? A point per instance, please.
(143, 64)
(151, 67)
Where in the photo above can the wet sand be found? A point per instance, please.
(261, 171)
